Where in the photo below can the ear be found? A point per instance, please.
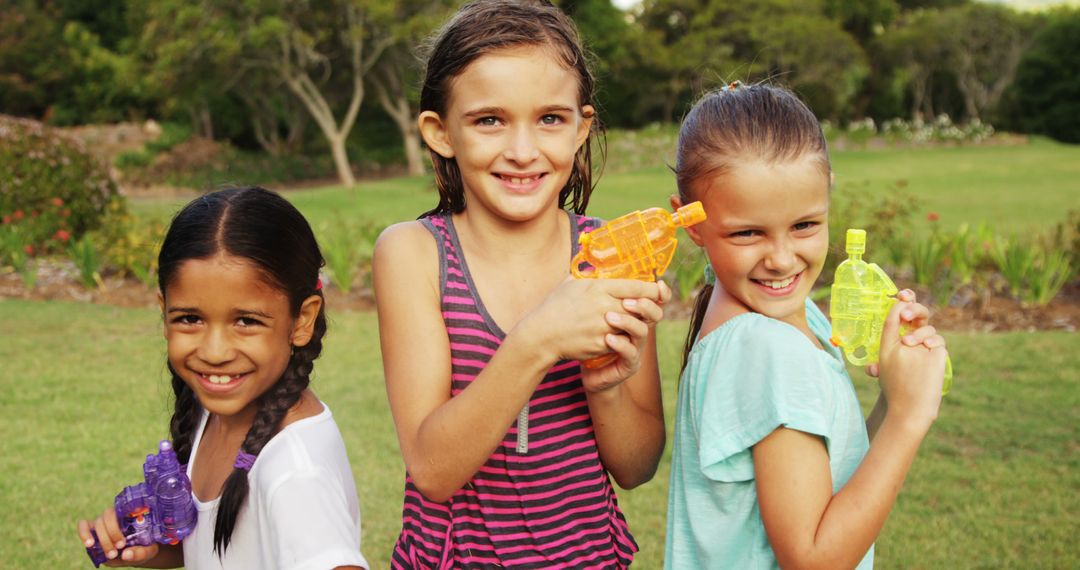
(161, 306)
(434, 132)
(587, 114)
(305, 321)
(692, 231)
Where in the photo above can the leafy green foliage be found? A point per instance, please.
(1045, 97)
(49, 184)
(348, 246)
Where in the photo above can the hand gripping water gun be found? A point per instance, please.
(638, 245)
(160, 509)
(862, 295)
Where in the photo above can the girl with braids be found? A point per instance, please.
(508, 443)
(238, 278)
(773, 463)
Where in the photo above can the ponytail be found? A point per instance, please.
(701, 302)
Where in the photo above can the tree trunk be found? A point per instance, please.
(341, 159)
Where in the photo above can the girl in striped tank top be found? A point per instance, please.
(508, 443)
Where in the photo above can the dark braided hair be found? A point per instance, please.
(485, 26)
(262, 227)
(740, 122)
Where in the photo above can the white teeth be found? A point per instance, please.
(778, 284)
(215, 379)
(521, 180)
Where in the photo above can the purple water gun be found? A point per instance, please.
(160, 509)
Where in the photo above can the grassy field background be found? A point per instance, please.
(84, 396)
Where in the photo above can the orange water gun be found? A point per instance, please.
(639, 245)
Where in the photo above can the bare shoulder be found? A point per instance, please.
(405, 249)
(405, 266)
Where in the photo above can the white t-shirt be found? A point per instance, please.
(301, 512)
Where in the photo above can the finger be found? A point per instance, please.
(112, 524)
(934, 341)
(628, 324)
(645, 309)
(108, 543)
(625, 348)
(139, 554)
(906, 295)
(665, 292)
(84, 533)
(919, 335)
(872, 370)
(890, 330)
(914, 315)
(632, 288)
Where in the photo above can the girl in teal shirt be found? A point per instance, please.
(773, 463)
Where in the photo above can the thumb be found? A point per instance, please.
(890, 331)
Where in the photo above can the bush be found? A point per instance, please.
(49, 184)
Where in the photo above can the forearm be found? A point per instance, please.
(855, 516)
(876, 416)
(630, 437)
(455, 440)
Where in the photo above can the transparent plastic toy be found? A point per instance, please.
(161, 509)
(639, 245)
(862, 295)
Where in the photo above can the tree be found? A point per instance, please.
(701, 43)
(987, 43)
(320, 52)
(396, 75)
(1045, 97)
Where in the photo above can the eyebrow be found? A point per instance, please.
(485, 111)
(241, 312)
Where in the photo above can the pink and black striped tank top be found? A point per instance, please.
(551, 505)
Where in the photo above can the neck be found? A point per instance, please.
(503, 239)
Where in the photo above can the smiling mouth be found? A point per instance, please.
(221, 379)
(520, 180)
(778, 284)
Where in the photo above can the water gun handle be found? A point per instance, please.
(639, 245)
(160, 509)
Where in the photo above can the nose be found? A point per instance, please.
(781, 256)
(216, 347)
(522, 148)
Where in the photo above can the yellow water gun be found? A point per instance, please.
(862, 295)
(639, 245)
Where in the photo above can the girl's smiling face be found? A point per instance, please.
(513, 123)
(229, 332)
(766, 235)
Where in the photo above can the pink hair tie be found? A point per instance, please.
(244, 461)
(318, 284)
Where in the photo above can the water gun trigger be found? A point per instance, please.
(879, 273)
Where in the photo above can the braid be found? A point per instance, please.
(273, 405)
(186, 411)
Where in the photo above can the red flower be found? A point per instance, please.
(7, 219)
(933, 217)
(65, 212)
(29, 250)
(18, 214)
(62, 235)
(57, 202)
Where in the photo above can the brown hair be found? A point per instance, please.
(758, 122)
(479, 28)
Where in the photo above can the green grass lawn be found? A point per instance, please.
(84, 397)
(1013, 188)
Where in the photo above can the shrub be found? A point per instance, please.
(886, 219)
(49, 183)
(130, 245)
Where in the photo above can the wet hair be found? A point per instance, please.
(266, 230)
(485, 26)
(739, 123)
